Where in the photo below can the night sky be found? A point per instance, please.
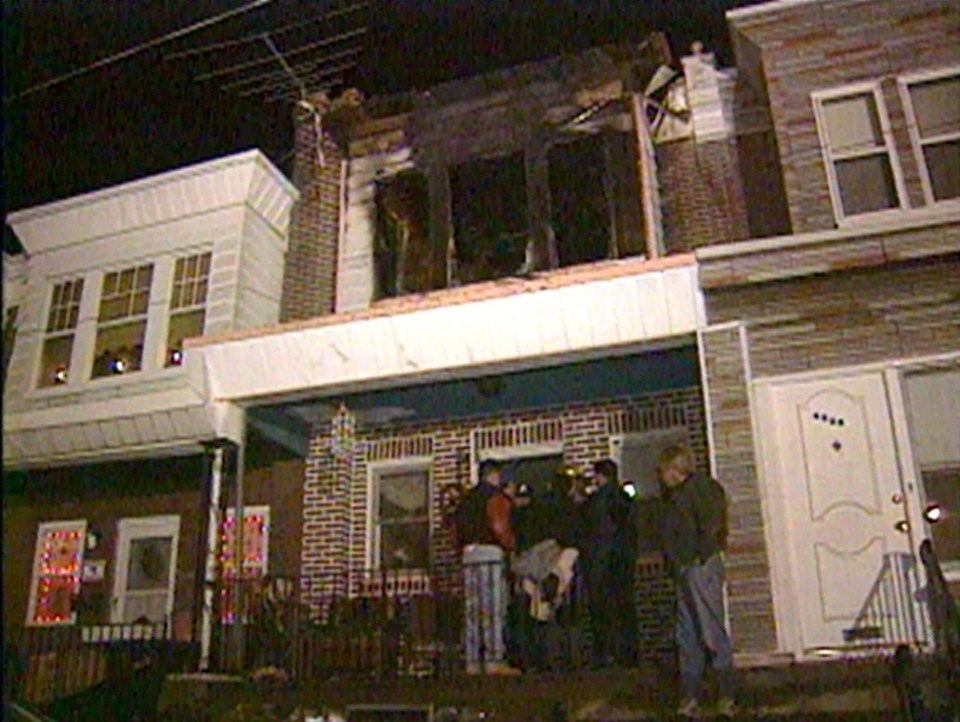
(147, 113)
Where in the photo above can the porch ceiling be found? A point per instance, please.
(505, 326)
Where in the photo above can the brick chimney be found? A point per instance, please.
(309, 282)
(706, 91)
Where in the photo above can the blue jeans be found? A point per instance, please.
(485, 601)
(701, 633)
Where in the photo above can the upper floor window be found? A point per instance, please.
(858, 151)
(191, 277)
(61, 328)
(933, 112)
(401, 519)
(122, 322)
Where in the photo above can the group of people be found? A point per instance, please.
(527, 552)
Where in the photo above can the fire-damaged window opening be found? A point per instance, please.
(402, 240)
(488, 199)
(588, 202)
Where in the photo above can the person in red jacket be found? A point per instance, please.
(486, 536)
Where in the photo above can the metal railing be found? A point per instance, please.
(59, 662)
(412, 623)
(945, 620)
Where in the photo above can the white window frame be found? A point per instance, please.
(198, 304)
(873, 87)
(374, 472)
(73, 525)
(903, 86)
(129, 318)
(127, 529)
(68, 331)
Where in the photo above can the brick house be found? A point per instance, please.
(597, 254)
(112, 449)
(586, 256)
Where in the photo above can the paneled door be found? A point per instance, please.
(145, 569)
(830, 445)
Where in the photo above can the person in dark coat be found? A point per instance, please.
(693, 530)
(609, 588)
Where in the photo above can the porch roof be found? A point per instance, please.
(512, 324)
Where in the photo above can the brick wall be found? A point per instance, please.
(335, 502)
(753, 626)
(813, 46)
(309, 283)
(842, 319)
(703, 201)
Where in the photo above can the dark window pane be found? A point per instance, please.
(405, 546)
(943, 162)
(490, 224)
(943, 488)
(580, 203)
(402, 252)
(866, 184)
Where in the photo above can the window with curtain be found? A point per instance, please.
(401, 530)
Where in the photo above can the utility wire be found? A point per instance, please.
(247, 39)
(59, 80)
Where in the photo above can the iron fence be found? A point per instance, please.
(376, 623)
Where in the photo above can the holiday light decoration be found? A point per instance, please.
(61, 559)
(343, 433)
(254, 564)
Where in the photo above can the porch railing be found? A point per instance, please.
(411, 623)
(945, 620)
(53, 663)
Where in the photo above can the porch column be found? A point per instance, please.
(725, 369)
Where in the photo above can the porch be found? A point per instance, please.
(375, 642)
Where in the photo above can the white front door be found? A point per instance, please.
(829, 444)
(146, 569)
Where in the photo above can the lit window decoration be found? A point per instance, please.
(60, 375)
(119, 365)
(59, 570)
(343, 434)
(175, 357)
(255, 535)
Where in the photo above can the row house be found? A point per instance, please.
(588, 256)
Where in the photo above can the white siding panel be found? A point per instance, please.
(680, 300)
(128, 431)
(577, 304)
(111, 433)
(630, 321)
(163, 425)
(94, 434)
(653, 305)
(146, 431)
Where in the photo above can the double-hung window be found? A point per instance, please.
(122, 323)
(61, 328)
(862, 169)
(932, 102)
(191, 276)
(401, 518)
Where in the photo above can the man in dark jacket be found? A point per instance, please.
(694, 534)
(609, 585)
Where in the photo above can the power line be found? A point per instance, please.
(134, 50)
(256, 37)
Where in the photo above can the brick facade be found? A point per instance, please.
(842, 319)
(309, 284)
(336, 503)
(703, 200)
(753, 625)
(809, 46)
